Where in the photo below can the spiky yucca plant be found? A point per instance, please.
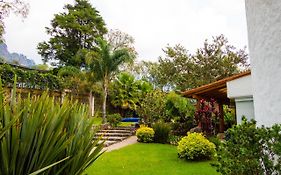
(41, 134)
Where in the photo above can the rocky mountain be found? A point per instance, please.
(14, 58)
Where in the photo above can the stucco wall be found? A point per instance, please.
(241, 87)
(264, 31)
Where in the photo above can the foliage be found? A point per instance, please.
(152, 107)
(207, 117)
(174, 139)
(215, 140)
(41, 67)
(126, 92)
(180, 111)
(195, 146)
(148, 159)
(114, 119)
(179, 69)
(229, 116)
(250, 150)
(145, 134)
(120, 40)
(28, 78)
(44, 133)
(73, 33)
(18, 7)
(162, 131)
(104, 62)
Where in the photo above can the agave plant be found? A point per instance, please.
(40, 135)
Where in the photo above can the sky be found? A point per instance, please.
(152, 23)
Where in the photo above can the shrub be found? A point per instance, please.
(215, 140)
(174, 139)
(145, 134)
(114, 119)
(162, 131)
(195, 146)
(38, 132)
(250, 150)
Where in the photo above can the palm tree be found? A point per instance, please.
(104, 62)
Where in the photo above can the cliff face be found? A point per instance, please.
(14, 58)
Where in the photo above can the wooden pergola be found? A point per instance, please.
(217, 91)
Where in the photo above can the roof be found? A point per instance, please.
(216, 90)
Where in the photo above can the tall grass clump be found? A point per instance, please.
(41, 135)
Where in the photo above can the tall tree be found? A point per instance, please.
(73, 33)
(104, 62)
(120, 40)
(17, 7)
(179, 69)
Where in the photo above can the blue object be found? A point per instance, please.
(130, 119)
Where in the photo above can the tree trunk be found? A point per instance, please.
(104, 103)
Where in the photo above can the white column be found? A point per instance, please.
(264, 31)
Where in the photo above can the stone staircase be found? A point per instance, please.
(114, 135)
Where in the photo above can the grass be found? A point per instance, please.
(148, 159)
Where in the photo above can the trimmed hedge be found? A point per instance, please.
(145, 134)
(195, 146)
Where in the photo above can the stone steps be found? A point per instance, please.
(114, 135)
(115, 131)
(111, 134)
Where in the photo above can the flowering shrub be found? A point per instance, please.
(195, 146)
(145, 134)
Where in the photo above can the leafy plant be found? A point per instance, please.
(114, 119)
(174, 139)
(152, 107)
(250, 150)
(27, 78)
(207, 117)
(162, 131)
(195, 146)
(145, 134)
(180, 112)
(43, 133)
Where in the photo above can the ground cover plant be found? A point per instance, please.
(148, 159)
(38, 132)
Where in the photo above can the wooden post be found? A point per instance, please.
(221, 117)
(91, 104)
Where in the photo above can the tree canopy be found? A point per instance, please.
(73, 33)
(179, 69)
(17, 7)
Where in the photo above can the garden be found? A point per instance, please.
(49, 119)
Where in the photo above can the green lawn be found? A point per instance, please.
(148, 159)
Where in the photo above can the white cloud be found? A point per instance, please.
(153, 24)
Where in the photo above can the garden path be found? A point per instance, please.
(129, 141)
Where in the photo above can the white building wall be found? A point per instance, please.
(241, 91)
(264, 31)
(241, 87)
